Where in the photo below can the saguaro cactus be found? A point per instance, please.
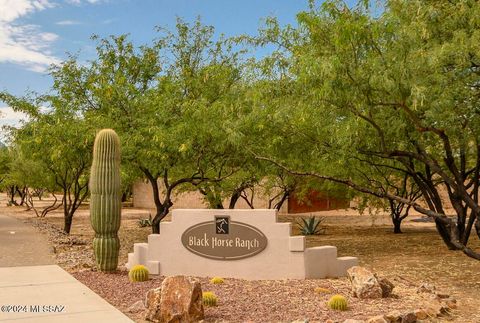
(105, 203)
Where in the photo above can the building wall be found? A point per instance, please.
(143, 198)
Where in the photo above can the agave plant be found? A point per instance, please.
(311, 225)
(142, 223)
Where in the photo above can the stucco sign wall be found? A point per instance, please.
(247, 244)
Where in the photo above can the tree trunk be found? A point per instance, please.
(68, 223)
(397, 222)
(234, 198)
(285, 196)
(445, 234)
(161, 213)
(12, 190)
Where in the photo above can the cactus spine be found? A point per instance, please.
(209, 299)
(217, 280)
(138, 273)
(105, 203)
(338, 302)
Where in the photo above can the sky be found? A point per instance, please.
(37, 33)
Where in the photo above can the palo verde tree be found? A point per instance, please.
(400, 87)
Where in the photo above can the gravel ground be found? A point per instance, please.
(261, 301)
(407, 260)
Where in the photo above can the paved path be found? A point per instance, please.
(34, 290)
(50, 294)
(22, 245)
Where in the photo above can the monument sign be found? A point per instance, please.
(224, 240)
(248, 244)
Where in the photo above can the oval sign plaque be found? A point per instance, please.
(223, 239)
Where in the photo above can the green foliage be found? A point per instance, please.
(337, 302)
(138, 273)
(58, 141)
(142, 223)
(311, 225)
(217, 280)
(366, 98)
(209, 299)
(105, 203)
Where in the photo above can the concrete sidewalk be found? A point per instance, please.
(50, 294)
(22, 245)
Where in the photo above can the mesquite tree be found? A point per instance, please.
(399, 87)
(59, 140)
(168, 102)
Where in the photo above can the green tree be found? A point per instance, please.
(59, 141)
(400, 88)
(167, 102)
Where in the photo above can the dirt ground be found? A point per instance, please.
(418, 255)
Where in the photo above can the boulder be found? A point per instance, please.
(152, 303)
(353, 321)
(179, 299)
(364, 283)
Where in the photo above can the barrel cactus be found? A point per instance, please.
(138, 273)
(217, 280)
(105, 202)
(322, 290)
(337, 302)
(209, 299)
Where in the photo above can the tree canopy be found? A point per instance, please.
(385, 102)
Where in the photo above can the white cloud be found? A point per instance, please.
(25, 44)
(67, 22)
(10, 117)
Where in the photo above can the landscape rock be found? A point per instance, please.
(136, 307)
(442, 295)
(378, 319)
(409, 317)
(364, 283)
(152, 303)
(426, 288)
(420, 314)
(435, 309)
(178, 300)
(386, 286)
(450, 302)
(353, 321)
(394, 316)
